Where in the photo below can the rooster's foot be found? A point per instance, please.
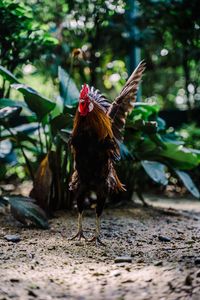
(78, 236)
(97, 241)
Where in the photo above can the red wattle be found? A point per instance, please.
(83, 109)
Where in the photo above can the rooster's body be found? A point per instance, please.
(97, 130)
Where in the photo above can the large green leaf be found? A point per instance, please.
(8, 102)
(24, 128)
(58, 108)
(64, 135)
(179, 156)
(68, 89)
(60, 122)
(189, 184)
(24, 209)
(148, 127)
(8, 112)
(36, 102)
(144, 110)
(5, 148)
(161, 124)
(7, 75)
(157, 139)
(3, 202)
(124, 152)
(197, 153)
(155, 170)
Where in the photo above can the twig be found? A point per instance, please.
(41, 146)
(178, 248)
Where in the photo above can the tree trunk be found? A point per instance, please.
(187, 77)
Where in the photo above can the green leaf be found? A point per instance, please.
(7, 75)
(64, 135)
(147, 127)
(3, 202)
(155, 170)
(70, 109)
(68, 89)
(58, 108)
(179, 156)
(197, 153)
(8, 102)
(36, 102)
(24, 209)
(60, 122)
(157, 139)
(189, 184)
(124, 152)
(161, 124)
(5, 148)
(145, 110)
(8, 112)
(172, 138)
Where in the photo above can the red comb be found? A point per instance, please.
(84, 92)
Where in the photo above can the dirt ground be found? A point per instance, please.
(45, 265)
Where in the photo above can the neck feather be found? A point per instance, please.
(96, 120)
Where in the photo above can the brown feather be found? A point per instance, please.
(124, 103)
(98, 120)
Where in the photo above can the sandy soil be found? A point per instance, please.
(45, 265)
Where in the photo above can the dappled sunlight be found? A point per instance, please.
(50, 266)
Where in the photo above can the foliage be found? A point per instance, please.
(155, 151)
(22, 40)
(148, 147)
(88, 26)
(95, 29)
(169, 34)
(25, 210)
(164, 30)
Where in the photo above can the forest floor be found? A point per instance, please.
(45, 265)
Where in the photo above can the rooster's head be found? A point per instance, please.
(85, 104)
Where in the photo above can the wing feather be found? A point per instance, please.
(124, 103)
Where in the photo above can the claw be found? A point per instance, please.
(79, 235)
(97, 241)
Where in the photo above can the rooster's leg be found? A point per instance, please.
(79, 234)
(80, 200)
(99, 209)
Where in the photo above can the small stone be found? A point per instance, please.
(164, 238)
(79, 244)
(158, 263)
(140, 260)
(198, 274)
(97, 274)
(188, 280)
(13, 295)
(12, 238)
(115, 273)
(190, 242)
(123, 259)
(14, 280)
(197, 261)
(31, 293)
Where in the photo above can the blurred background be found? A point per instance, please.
(100, 43)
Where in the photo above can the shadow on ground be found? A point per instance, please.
(46, 265)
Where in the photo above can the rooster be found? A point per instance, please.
(97, 130)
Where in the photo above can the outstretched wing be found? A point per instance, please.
(124, 103)
(97, 97)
